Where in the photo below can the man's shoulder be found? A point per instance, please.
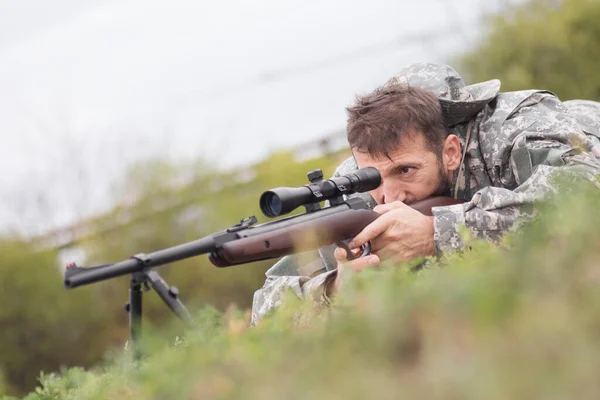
(579, 114)
(587, 113)
(507, 103)
(347, 166)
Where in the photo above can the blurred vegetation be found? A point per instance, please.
(46, 326)
(166, 216)
(542, 44)
(43, 326)
(515, 321)
(520, 320)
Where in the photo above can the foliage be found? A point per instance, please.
(542, 44)
(210, 203)
(43, 326)
(519, 320)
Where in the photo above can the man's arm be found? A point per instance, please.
(306, 280)
(293, 273)
(275, 289)
(316, 287)
(546, 141)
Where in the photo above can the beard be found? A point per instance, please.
(444, 185)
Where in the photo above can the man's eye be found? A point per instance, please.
(406, 170)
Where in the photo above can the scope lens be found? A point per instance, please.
(271, 204)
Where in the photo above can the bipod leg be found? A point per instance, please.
(134, 308)
(170, 295)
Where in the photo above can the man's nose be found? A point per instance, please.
(384, 194)
(391, 194)
(378, 195)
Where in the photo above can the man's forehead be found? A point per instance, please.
(411, 146)
(402, 156)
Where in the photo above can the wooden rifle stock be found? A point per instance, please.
(308, 235)
(424, 206)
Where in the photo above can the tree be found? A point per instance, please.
(161, 214)
(542, 45)
(43, 325)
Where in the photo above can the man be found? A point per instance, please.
(429, 134)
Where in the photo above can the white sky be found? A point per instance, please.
(87, 87)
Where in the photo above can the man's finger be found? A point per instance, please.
(378, 243)
(370, 232)
(386, 253)
(340, 255)
(363, 262)
(357, 264)
(383, 208)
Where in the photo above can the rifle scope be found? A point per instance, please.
(283, 200)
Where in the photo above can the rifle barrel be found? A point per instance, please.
(84, 276)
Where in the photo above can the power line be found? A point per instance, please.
(270, 76)
(372, 49)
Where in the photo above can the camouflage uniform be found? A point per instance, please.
(512, 143)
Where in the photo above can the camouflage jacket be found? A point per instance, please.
(512, 144)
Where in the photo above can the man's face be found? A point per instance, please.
(413, 173)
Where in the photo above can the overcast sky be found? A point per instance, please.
(89, 86)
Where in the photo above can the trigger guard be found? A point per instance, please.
(365, 249)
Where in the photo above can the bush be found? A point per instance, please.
(518, 320)
(542, 45)
(43, 326)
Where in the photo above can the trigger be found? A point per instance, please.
(365, 249)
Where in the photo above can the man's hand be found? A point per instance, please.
(400, 233)
(355, 265)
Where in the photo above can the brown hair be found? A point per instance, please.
(378, 121)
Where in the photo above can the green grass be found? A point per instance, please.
(518, 320)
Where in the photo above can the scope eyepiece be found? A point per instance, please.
(283, 200)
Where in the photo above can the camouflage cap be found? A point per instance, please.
(459, 102)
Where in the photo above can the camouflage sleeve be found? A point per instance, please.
(293, 274)
(275, 288)
(494, 211)
(550, 144)
(491, 213)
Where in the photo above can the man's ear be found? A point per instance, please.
(451, 153)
